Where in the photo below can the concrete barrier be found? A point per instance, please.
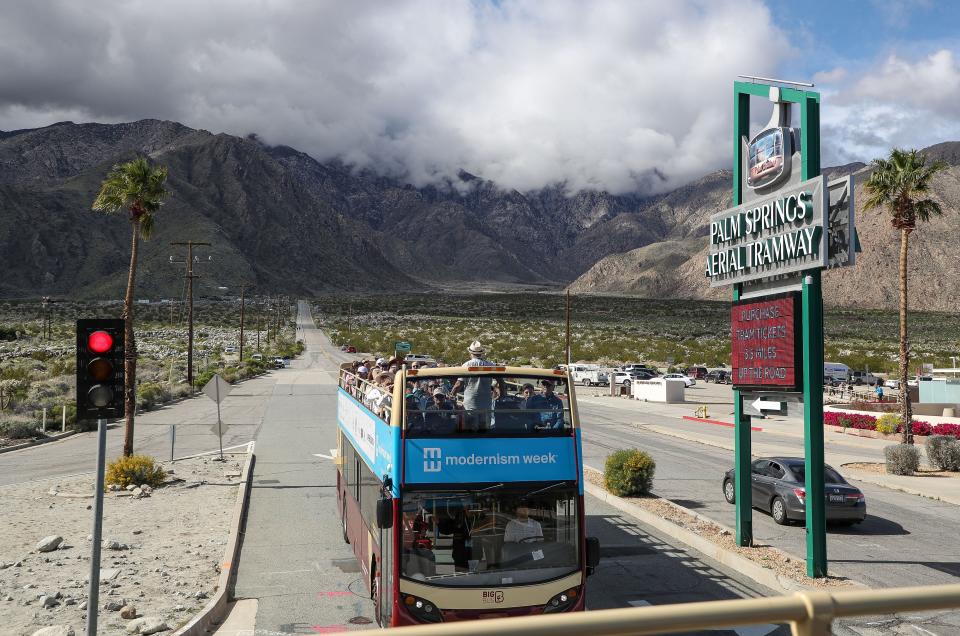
(215, 611)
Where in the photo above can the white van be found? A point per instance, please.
(835, 372)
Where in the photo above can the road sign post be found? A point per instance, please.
(217, 389)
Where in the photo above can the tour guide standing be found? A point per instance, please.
(477, 395)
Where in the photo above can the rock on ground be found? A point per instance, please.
(49, 544)
(147, 625)
(55, 630)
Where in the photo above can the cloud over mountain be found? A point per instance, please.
(616, 96)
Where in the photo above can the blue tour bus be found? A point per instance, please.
(460, 491)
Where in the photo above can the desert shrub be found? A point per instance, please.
(943, 452)
(151, 394)
(629, 473)
(887, 423)
(902, 459)
(57, 413)
(20, 430)
(201, 379)
(135, 469)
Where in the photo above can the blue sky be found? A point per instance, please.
(619, 95)
(854, 35)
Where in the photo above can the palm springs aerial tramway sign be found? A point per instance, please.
(787, 224)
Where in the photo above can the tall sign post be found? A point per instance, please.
(786, 226)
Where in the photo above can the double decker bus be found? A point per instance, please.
(460, 491)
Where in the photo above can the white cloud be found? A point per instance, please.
(898, 103)
(598, 94)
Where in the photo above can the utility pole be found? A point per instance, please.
(568, 328)
(259, 306)
(45, 330)
(242, 300)
(190, 276)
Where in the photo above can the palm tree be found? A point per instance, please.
(901, 183)
(137, 187)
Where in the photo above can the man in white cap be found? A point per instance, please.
(477, 396)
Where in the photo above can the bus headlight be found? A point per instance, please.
(562, 601)
(422, 609)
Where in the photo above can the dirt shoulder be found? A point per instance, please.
(161, 553)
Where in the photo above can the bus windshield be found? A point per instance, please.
(492, 404)
(490, 536)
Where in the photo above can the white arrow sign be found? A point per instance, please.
(766, 405)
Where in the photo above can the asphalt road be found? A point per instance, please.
(242, 411)
(295, 562)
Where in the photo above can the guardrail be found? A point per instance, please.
(809, 613)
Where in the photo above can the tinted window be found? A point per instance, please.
(830, 476)
(758, 466)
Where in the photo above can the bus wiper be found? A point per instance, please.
(493, 487)
(545, 488)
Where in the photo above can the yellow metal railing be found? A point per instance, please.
(808, 614)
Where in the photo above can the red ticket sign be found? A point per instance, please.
(764, 350)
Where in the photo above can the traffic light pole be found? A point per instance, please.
(93, 596)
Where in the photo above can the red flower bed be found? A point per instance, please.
(947, 429)
(869, 423)
(850, 420)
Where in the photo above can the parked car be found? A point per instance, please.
(640, 367)
(687, 381)
(257, 357)
(778, 488)
(717, 376)
(697, 373)
(862, 377)
(626, 378)
(915, 380)
(230, 350)
(892, 384)
(351, 349)
(278, 363)
(830, 381)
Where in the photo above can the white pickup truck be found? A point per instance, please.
(588, 374)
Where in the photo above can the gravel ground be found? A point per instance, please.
(881, 469)
(161, 553)
(764, 555)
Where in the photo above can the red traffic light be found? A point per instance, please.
(99, 342)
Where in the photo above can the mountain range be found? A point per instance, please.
(281, 221)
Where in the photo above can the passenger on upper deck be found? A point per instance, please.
(439, 417)
(477, 398)
(549, 404)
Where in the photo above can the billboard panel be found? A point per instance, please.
(765, 352)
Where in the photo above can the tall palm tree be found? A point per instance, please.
(137, 187)
(900, 184)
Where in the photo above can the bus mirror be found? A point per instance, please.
(593, 553)
(385, 514)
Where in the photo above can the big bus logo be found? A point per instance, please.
(492, 596)
(432, 460)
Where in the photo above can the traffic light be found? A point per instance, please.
(100, 368)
